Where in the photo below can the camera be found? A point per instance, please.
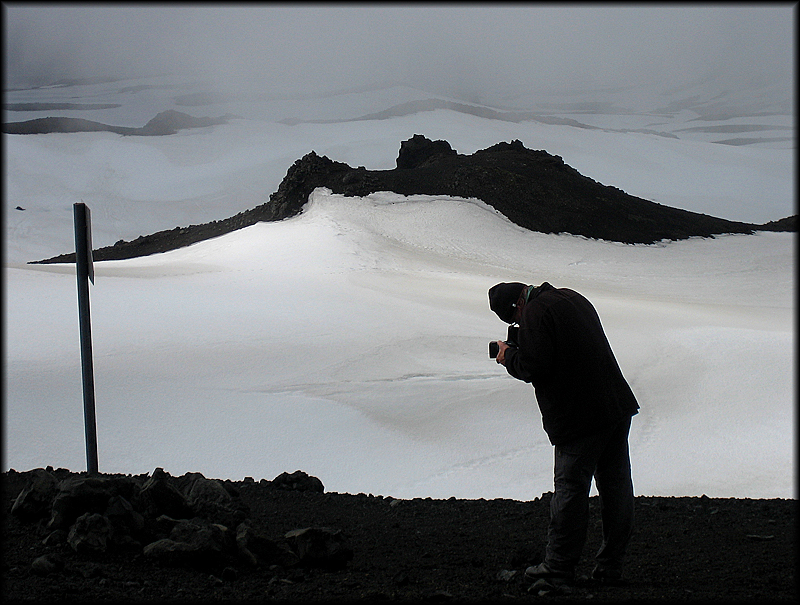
(511, 341)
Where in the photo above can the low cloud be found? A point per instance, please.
(464, 51)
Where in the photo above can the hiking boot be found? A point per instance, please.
(544, 572)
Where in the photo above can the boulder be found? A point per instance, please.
(34, 501)
(196, 488)
(79, 495)
(169, 552)
(255, 549)
(90, 533)
(194, 543)
(123, 517)
(212, 499)
(298, 481)
(202, 534)
(161, 496)
(208, 497)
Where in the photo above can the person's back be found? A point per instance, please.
(564, 353)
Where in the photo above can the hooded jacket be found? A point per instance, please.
(564, 353)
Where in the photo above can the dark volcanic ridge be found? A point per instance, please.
(166, 122)
(533, 189)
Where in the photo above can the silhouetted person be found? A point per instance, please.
(586, 406)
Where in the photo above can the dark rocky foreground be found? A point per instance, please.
(71, 537)
(533, 189)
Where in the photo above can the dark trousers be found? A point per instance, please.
(605, 457)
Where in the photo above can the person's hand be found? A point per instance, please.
(501, 353)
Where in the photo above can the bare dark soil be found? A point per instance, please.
(693, 548)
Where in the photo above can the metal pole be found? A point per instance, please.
(84, 270)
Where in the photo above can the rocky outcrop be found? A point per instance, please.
(418, 150)
(533, 189)
(188, 521)
(298, 481)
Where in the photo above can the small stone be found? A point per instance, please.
(89, 570)
(320, 547)
(55, 538)
(296, 575)
(47, 564)
(504, 575)
(541, 587)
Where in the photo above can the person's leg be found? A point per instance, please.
(575, 463)
(614, 484)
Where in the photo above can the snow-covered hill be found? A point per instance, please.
(350, 341)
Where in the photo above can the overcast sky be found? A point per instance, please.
(462, 50)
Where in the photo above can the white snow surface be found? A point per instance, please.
(351, 341)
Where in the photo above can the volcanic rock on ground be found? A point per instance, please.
(296, 545)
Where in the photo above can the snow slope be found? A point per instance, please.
(350, 341)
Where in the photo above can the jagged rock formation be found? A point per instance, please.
(533, 189)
